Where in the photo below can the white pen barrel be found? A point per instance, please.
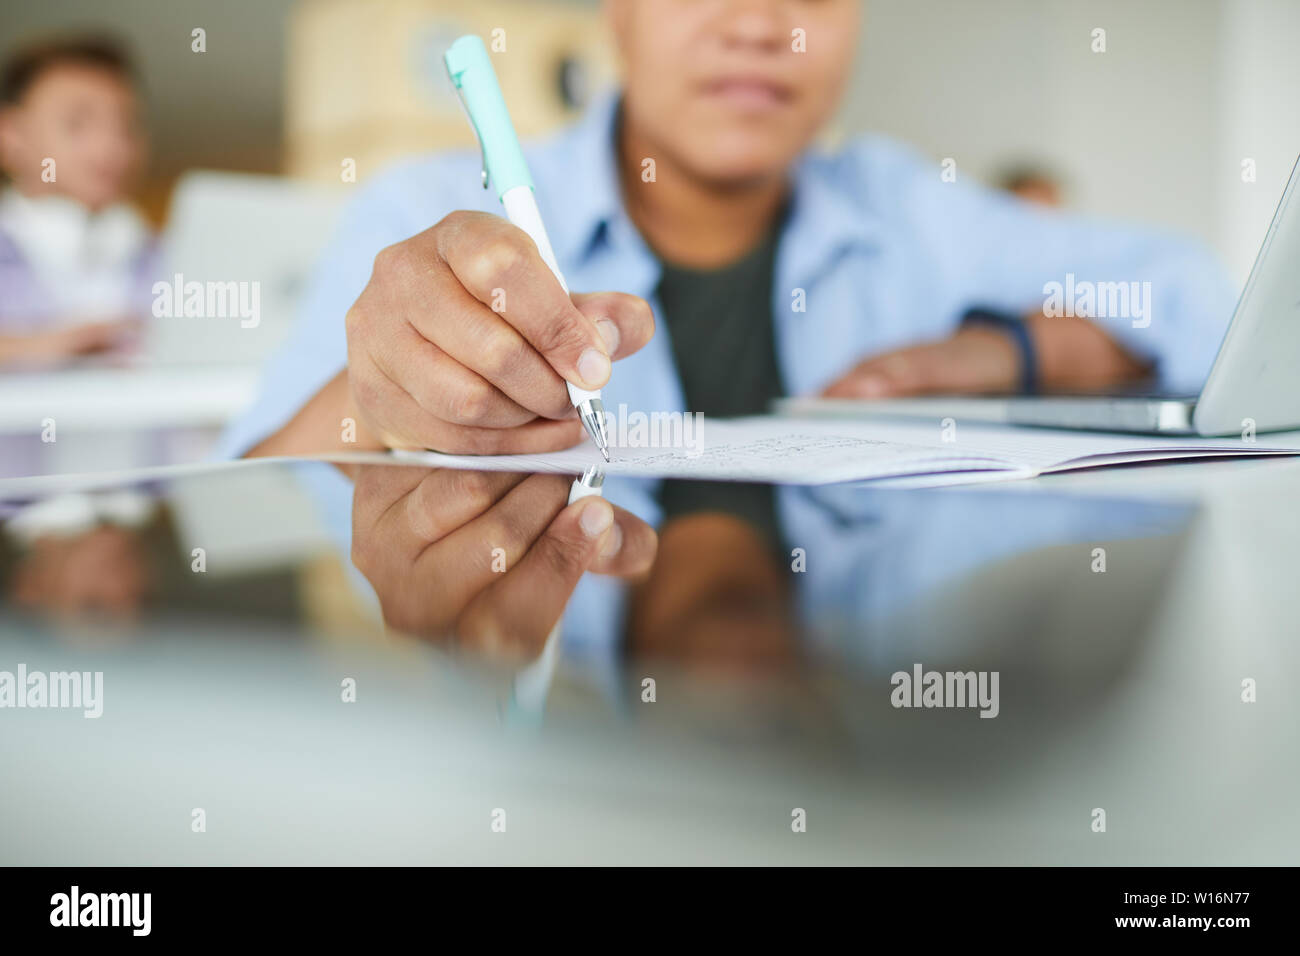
(533, 683)
(521, 209)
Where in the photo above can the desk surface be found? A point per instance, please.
(1120, 690)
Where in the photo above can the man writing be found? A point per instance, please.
(770, 269)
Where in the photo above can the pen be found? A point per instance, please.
(532, 685)
(503, 163)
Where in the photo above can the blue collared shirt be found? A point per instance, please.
(878, 252)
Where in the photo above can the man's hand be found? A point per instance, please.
(485, 560)
(1073, 355)
(463, 341)
(974, 360)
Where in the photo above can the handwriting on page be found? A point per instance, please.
(754, 449)
(752, 459)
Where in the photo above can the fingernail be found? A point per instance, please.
(609, 332)
(614, 543)
(595, 518)
(593, 367)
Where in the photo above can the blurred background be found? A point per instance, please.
(253, 143)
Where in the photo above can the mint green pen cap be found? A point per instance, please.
(471, 72)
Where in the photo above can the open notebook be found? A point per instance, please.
(799, 451)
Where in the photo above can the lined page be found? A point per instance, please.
(749, 449)
(821, 451)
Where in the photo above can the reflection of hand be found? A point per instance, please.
(715, 601)
(101, 572)
(486, 560)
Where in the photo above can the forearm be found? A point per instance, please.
(327, 423)
(18, 348)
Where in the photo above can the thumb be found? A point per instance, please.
(513, 616)
(625, 322)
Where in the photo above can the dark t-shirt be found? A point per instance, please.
(720, 325)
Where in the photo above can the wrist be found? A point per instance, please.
(331, 421)
(1010, 348)
(1075, 354)
(352, 420)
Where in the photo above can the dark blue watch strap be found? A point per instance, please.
(1014, 326)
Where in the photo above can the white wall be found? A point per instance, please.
(222, 107)
(1260, 104)
(1154, 129)
(954, 78)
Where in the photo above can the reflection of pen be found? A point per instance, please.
(589, 483)
(533, 683)
(503, 162)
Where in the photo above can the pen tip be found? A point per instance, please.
(605, 452)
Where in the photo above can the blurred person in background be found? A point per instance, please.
(75, 279)
(75, 258)
(94, 569)
(1033, 184)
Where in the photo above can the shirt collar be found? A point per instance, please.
(828, 215)
(593, 201)
(828, 212)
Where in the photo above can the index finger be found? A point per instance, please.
(498, 264)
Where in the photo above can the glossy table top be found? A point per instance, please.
(951, 675)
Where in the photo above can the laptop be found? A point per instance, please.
(238, 229)
(1255, 378)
